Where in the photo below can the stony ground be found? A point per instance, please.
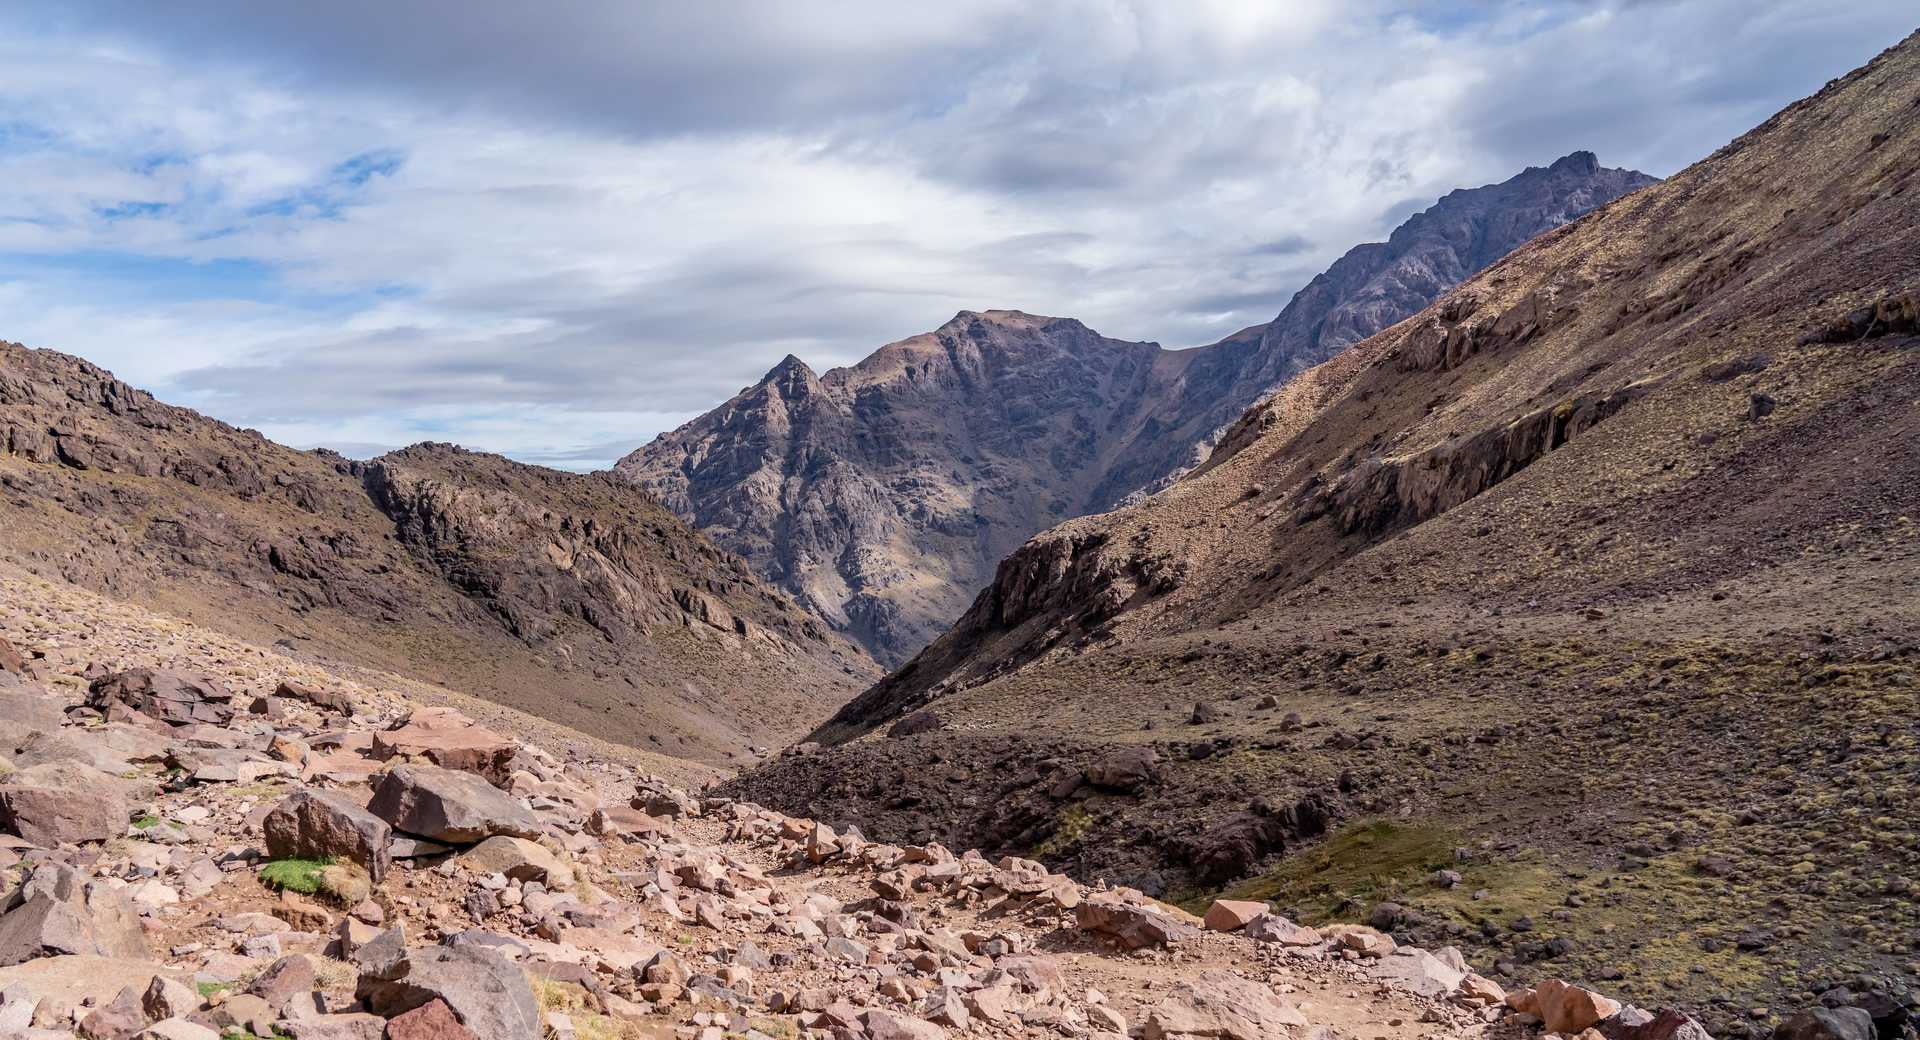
(205, 838)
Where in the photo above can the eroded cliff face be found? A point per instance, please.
(575, 596)
(884, 495)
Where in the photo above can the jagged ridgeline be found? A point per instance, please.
(572, 596)
(1570, 619)
(883, 495)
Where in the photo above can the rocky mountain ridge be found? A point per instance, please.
(572, 595)
(883, 495)
(1571, 597)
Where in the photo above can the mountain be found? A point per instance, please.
(1570, 620)
(882, 495)
(574, 597)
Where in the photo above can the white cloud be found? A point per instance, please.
(555, 235)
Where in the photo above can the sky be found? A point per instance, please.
(556, 230)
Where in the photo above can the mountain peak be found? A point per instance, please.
(1583, 163)
(791, 376)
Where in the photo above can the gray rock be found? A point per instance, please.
(310, 824)
(1126, 770)
(487, 992)
(448, 805)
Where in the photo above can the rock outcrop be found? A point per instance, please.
(883, 495)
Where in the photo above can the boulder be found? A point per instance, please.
(1273, 928)
(1566, 1008)
(1418, 972)
(487, 993)
(59, 911)
(448, 805)
(169, 998)
(450, 740)
(172, 697)
(1665, 1025)
(1133, 925)
(10, 659)
(42, 746)
(1479, 991)
(284, 980)
(326, 700)
(177, 1029)
(1231, 915)
(519, 859)
(1221, 1004)
(887, 1025)
(57, 802)
(1841, 1023)
(310, 824)
(1125, 770)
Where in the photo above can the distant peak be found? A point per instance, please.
(1582, 162)
(790, 375)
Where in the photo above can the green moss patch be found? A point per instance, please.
(295, 875)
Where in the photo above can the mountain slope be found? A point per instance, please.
(1597, 571)
(882, 495)
(575, 597)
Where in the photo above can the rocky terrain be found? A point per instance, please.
(883, 495)
(575, 597)
(1569, 621)
(208, 839)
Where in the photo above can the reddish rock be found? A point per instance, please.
(433, 1020)
(172, 697)
(1566, 1008)
(1231, 915)
(450, 740)
(64, 801)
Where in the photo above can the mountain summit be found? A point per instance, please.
(882, 495)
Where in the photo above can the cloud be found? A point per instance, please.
(555, 234)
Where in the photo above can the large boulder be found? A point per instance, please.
(172, 697)
(1419, 972)
(1125, 770)
(448, 805)
(10, 659)
(310, 824)
(1224, 1005)
(1841, 1023)
(1566, 1008)
(1274, 928)
(450, 740)
(519, 859)
(487, 993)
(58, 802)
(1231, 915)
(60, 911)
(41, 746)
(1134, 926)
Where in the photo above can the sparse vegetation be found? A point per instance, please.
(295, 875)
